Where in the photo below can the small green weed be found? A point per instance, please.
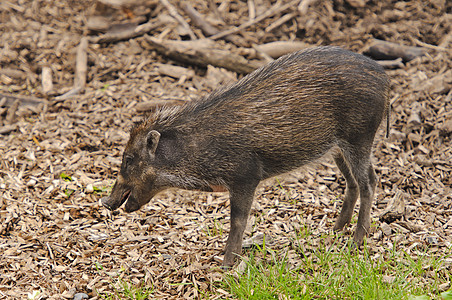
(215, 229)
(105, 189)
(105, 87)
(121, 289)
(68, 192)
(66, 177)
(285, 191)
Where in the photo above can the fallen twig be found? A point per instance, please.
(410, 226)
(7, 128)
(174, 71)
(10, 115)
(357, 3)
(282, 20)
(46, 80)
(189, 45)
(251, 10)
(277, 8)
(72, 92)
(261, 53)
(81, 67)
(126, 34)
(205, 27)
(386, 50)
(13, 73)
(8, 100)
(81, 64)
(304, 5)
(203, 57)
(429, 46)
(173, 12)
(391, 64)
(277, 49)
(198, 21)
(444, 42)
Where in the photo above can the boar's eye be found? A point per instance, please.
(128, 160)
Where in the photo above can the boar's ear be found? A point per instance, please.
(152, 141)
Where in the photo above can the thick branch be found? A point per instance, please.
(8, 100)
(386, 50)
(203, 57)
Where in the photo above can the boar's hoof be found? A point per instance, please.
(225, 268)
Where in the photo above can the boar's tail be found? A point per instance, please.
(388, 115)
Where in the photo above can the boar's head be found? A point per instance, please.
(135, 184)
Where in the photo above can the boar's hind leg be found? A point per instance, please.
(358, 158)
(351, 193)
(241, 198)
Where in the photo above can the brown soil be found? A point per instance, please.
(53, 233)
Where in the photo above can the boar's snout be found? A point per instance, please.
(105, 201)
(112, 202)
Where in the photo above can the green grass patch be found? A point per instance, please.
(319, 267)
(326, 268)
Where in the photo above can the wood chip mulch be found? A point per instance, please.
(59, 156)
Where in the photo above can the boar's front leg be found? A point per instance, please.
(241, 199)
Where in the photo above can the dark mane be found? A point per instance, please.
(328, 63)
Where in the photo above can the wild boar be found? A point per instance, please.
(278, 118)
